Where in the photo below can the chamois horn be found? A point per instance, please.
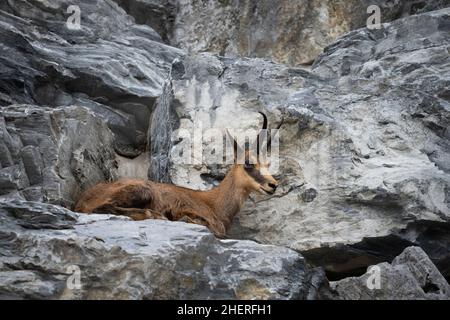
(264, 127)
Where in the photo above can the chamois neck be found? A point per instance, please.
(229, 196)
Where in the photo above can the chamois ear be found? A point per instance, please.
(236, 148)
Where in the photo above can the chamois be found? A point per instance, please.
(215, 208)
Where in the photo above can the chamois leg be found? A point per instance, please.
(216, 227)
(133, 213)
(142, 214)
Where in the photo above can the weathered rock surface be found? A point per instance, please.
(158, 14)
(53, 154)
(411, 276)
(110, 65)
(290, 32)
(41, 245)
(363, 152)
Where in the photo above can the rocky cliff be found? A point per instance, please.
(364, 166)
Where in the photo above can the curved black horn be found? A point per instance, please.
(264, 127)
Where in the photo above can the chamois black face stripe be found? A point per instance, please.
(255, 174)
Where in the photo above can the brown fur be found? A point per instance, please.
(215, 208)
(141, 199)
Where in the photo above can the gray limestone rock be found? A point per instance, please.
(109, 65)
(285, 31)
(411, 276)
(53, 154)
(366, 128)
(42, 253)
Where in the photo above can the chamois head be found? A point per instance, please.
(251, 165)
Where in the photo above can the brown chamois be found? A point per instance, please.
(215, 208)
